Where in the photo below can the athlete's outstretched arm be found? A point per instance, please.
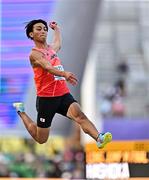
(56, 44)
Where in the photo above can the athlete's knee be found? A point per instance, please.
(42, 141)
(42, 135)
(42, 138)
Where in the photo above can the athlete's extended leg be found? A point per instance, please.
(75, 113)
(39, 134)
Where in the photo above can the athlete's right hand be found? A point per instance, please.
(71, 78)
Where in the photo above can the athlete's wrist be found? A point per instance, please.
(63, 73)
(56, 29)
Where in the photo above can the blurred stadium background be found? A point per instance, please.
(106, 44)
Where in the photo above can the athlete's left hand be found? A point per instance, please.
(53, 25)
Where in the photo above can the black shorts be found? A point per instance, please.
(47, 107)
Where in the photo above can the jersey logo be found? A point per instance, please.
(42, 120)
(53, 56)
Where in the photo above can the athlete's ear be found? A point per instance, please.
(31, 34)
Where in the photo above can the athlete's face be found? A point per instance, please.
(39, 32)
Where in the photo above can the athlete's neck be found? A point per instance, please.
(41, 45)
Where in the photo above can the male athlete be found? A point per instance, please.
(53, 95)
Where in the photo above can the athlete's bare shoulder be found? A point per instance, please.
(34, 57)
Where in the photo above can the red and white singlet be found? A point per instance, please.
(47, 84)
